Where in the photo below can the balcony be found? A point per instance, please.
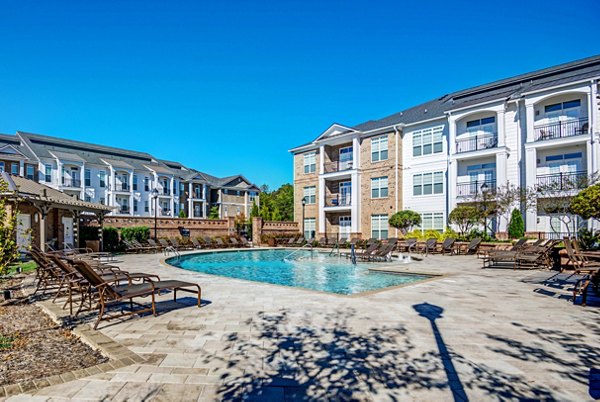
(337, 166)
(71, 183)
(549, 183)
(121, 187)
(124, 209)
(563, 129)
(338, 200)
(473, 188)
(476, 143)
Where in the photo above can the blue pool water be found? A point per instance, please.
(303, 269)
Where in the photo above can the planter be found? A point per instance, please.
(93, 245)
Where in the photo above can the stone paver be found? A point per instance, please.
(472, 334)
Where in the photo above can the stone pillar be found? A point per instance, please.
(257, 224)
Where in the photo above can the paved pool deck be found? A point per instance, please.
(471, 334)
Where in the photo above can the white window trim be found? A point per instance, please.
(378, 180)
(307, 162)
(378, 141)
(433, 182)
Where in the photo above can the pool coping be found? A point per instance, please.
(433, 276)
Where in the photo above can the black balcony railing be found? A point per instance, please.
(73, 183)
(121, 187)
(549, 183)
(337, 166)
(562, 129)
(474, 188)
(476, 143)
(339, 200)
(124, 209)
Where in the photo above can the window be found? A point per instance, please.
(14, 170)
(174, 187)
(432, 221)
(135, 183)
(88, 177)
(379, 187)
(146, 206)
(146, 184)
(102, 176)
(30, 172)
(428, 183)
(485, 125)
(88, 198)
(562, 106)
(252, 196)
(379, 227)
(48, 173)
(102, 201)
(309, 228)
(563, 111)
(181, 188)
(428, 141)
(379, 149)
(135, 205)
(310, 162)
(310, 195)
(1, 166)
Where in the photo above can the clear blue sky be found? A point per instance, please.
(228, 87)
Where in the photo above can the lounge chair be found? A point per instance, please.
(496, 258)
(299, 242)
(152, 243)
(341, 242)
(209, 242)
(428, 247)
(146, 248)
(110, 292)
(408, 245)
(234, 242)
(179, 246)
(447, 246)
(220, 243)
(535, 255)
(470, 248)
(383, 253)
(583, 266)
(366, 253)
(322, 242)
(195, 243)
(245, 242)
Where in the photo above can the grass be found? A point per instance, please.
(26, 266)
(6, 342)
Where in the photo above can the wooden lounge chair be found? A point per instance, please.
(322, 242)
(299, 242)
(179, 246)
(590, 270)
(153, 243)
(209, 242)
(110, 292)
(499, 257)
(383, 253)
(536, 256)
(234, 242)
(342, 242)
(220, 243)
(366, 253)
(145, 248)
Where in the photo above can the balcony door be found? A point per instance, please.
(345, 192)
(344, 226)
(345, 158)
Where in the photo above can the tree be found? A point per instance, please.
(182, 214)
(587, 203)
(254, 211)
(9, 250)
(405, 220)
(214, 212)
(464, 216)
(277, 205)
(516, 227)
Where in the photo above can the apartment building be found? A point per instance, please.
(134, 183)
(533, 129)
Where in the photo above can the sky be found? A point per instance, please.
(228, 87)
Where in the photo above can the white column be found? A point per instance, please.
(246, 212)
(354, 205)
(22, 168)
(322, 159)
(530, 178)
(501, 180)
(172, 185)
(321, 205)
(131, 195)
(355, 153)
(82, 181)
(59, 175)
(190, 202)
(501, 128)
(113, 187)
(530, 116)
(451, 135)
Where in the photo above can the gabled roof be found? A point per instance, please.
(33, 191)
(67, 156)
(117, 163)
(12, 150)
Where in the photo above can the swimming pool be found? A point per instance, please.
(304, 269)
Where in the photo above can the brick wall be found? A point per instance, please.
(169, 227)
(260, 227)
(305, 180)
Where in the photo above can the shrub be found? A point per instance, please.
(478, 233)
(414, 233)
(587, 203)
(405, 220)
(139, 233)
(449, 233)
(589, 239)
(464, 217)
(435, 234)
(111, 239)
(516, 227)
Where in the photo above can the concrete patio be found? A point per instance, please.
(471, 334)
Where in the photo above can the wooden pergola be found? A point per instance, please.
(29, 195)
